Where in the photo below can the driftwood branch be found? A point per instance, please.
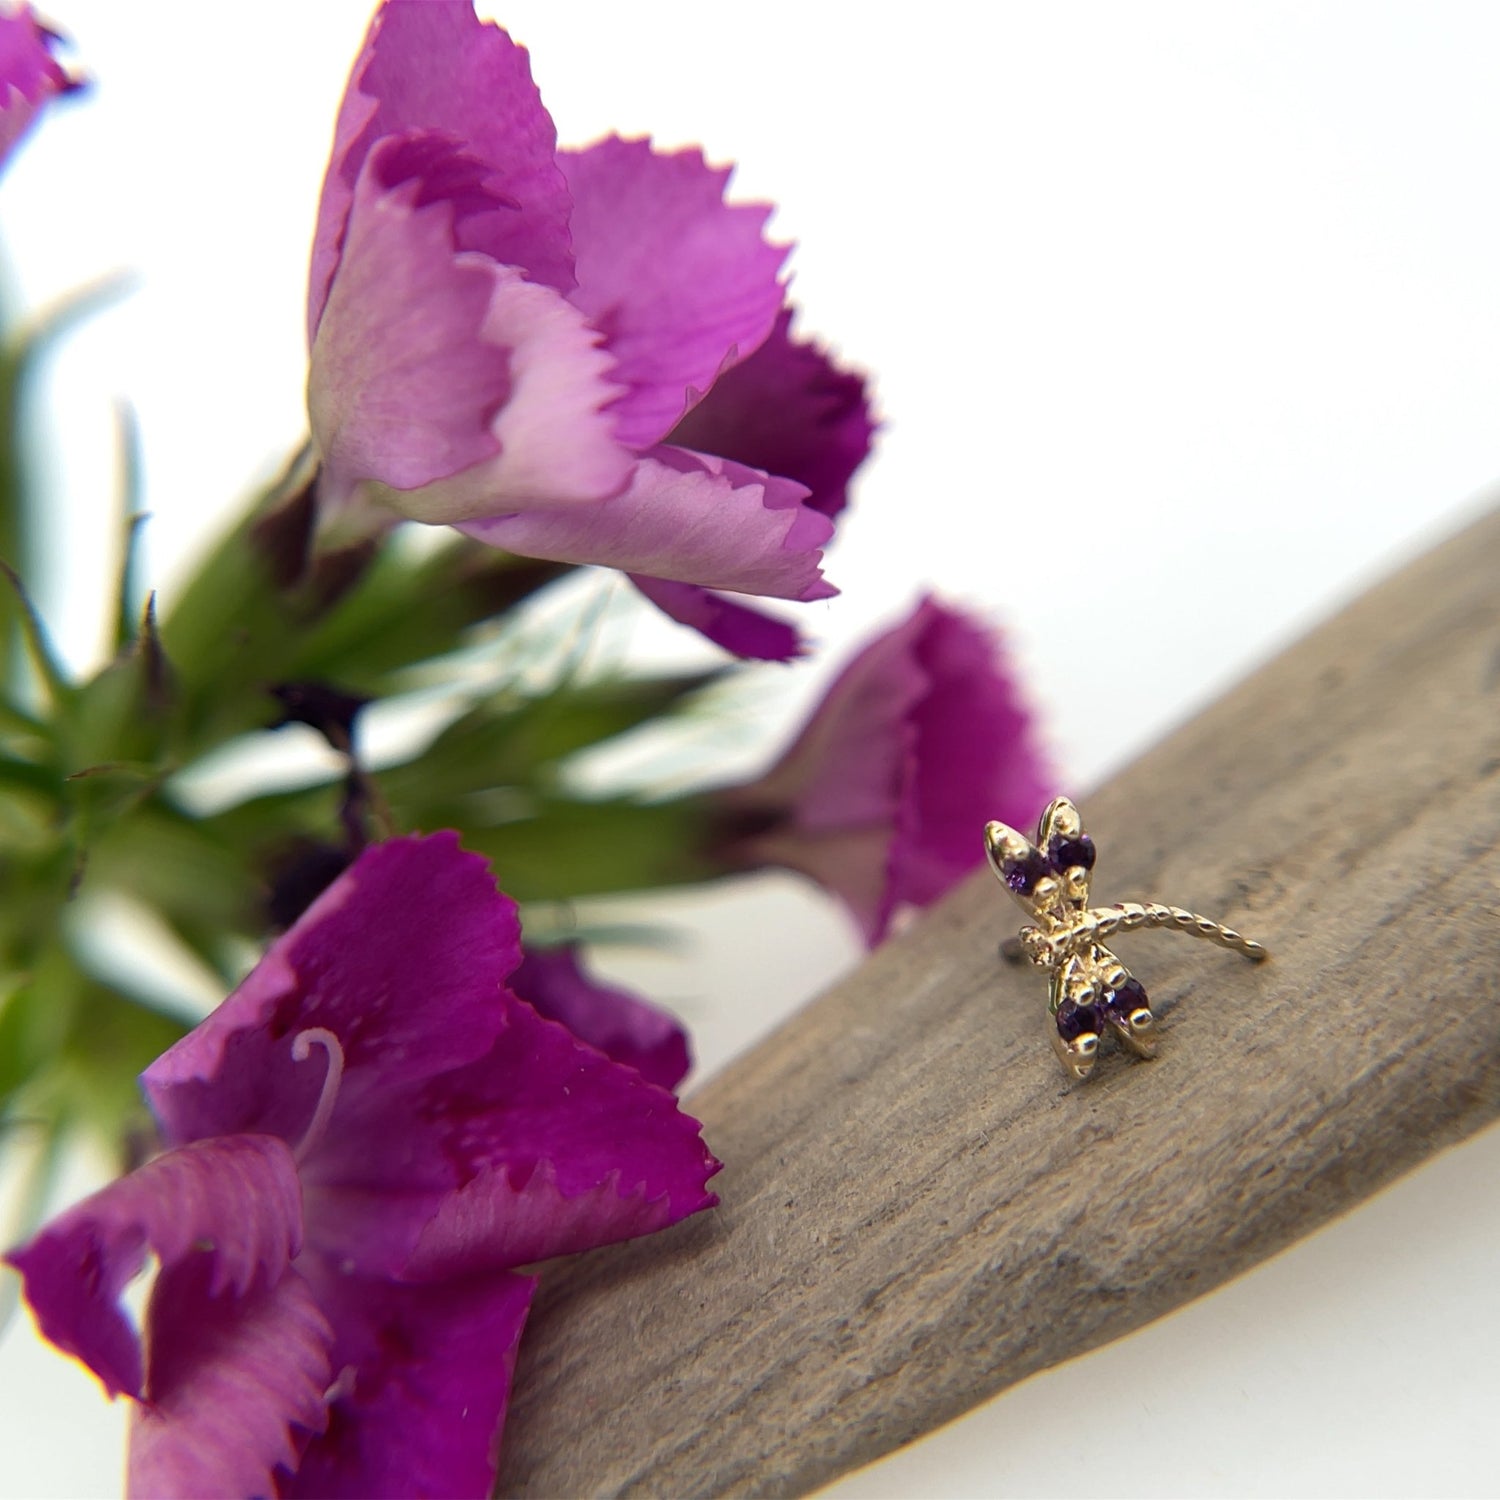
(919, 1209)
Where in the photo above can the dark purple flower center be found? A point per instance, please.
(1022, 874)
(1073, 1020)
(1065, 852)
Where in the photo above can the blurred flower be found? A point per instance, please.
(29, 74)
(884, 795)
(619, 1024)
(365, 1140)
(516, 340)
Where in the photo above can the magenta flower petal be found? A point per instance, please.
(680, 282)
(534, 1128)
(542, 1147)
(29, 74)
(921, 739)
(431, 65)
(427, 1374)
(736, 627)
(619, 1024)
(472, 392)
(790, 410)
(829, 808)
(974, 733)
(689, 517)
(401, 389)
(232, 1204)
(553, 436)
(401, 959)
(235, 1386)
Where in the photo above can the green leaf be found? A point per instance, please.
(129, 606)
(266, 607)
(72, 1047)
(19, 1054)
(254, 826)
(570, 849)
(22, 530)
(508, 742)
(227, 637)
(38, 1015)
(38, 644)
(31, 1202)
(117, 736)
(114, 1039)
(412, 608)
(126, 711)
(182, 868)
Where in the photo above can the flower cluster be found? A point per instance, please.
(558, 358)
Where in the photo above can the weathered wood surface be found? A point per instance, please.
(918, 1209)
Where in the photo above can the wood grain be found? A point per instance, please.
(919, 1209)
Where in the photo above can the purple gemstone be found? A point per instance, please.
(1073, 1020)
(1131, 996)
(1068, 852)
(1021, 875)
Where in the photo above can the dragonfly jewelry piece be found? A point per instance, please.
(1091, 989)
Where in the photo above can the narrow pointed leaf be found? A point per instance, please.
(128, 596)
(39, 646)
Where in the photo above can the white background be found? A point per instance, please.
(1185, 326)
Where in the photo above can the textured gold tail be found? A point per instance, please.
(1101, 922)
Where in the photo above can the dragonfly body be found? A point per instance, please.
(1092, 992)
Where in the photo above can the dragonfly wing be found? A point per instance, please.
(1068, 848)
(1125, 1004)
(1077, 1019)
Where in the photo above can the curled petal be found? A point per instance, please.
(402, 388)
(680, 282)
(686, 517)
(553, 437)
(619, 1024)
(402, 960)
(473, 391)
(29, 74)
(423, 1378)
(738, 628)
(233, 1388)
(436, 67)
(230, 1206)
(789, 410)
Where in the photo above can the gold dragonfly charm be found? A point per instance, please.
(1092, 991)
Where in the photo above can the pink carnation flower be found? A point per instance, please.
(540, 346)
(884, 795)
(364, 1142)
